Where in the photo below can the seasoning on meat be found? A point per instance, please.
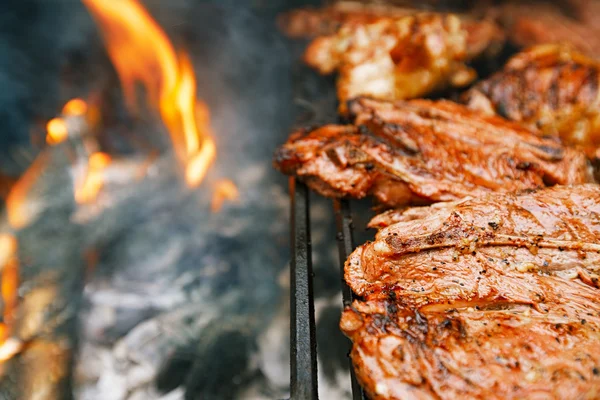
(494, 297)
(550, 87)
(402, 58)
(477, 351)
(423, 151)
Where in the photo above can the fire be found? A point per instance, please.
(75, 107)
(142, 53)
(88, 188)
(57, 131)
(19, 211)
(224, 190)
(8, 291)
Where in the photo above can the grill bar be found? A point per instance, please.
(303, 345)
(345, 237)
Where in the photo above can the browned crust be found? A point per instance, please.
(425, 151)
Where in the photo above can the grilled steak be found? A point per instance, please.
(401, 58)
(495, 297)
(552, 88)
(477, 351)
(486, 246)
(424, 151)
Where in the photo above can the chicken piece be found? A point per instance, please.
(550, 87)
(402, 58)
(489, 298)
(423, 151)
(477, 351)
(498, 247)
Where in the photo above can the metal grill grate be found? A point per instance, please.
(303, 347)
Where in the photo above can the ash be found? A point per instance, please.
(176, 286)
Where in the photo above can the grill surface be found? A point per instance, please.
(303, 345)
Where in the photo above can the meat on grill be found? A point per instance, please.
(477, 351)
(494, 297)
(573, 22)
(402, 58)
(310, 22)
(423, 151)
(483, 248)
(313, 22)
(550, 87)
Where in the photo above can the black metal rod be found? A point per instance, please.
(303, 345)
(345, 237)
(343, 221)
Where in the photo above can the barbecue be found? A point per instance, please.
(402, 58)
(143, 246)
(443, 284)
(551, 88)
(393, 152)
(489, 287)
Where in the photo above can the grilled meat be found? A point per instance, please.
(313, 22)
(552, 88)
(494, 297)
(310, 22)
(401, 58)
(485, 248)
(423, 151)
(574, 22)
(477, 351)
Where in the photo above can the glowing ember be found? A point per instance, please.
(57, 131)
(88, 188)
(9, 348)
(8, 290)
(142, 53)
(224, 190)
(21, 212)
(75, 107)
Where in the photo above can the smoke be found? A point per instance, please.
(178, 301)
(36, 38)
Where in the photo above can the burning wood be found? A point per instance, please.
(87, 189)
(142, 53)
(9, 276)
(54, 219)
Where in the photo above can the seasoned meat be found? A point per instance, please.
(477, 351)
(552, 88)
(424, 151)
(310, 22)
(313, 22)
(401, 58)
(575, 22)
(494, 297)
(498, 247)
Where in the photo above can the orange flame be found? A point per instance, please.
(57, 131)
(88, 188)
(18, 210)
(142, 53)
(8, 291)
(224, 190)
(75, 107)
